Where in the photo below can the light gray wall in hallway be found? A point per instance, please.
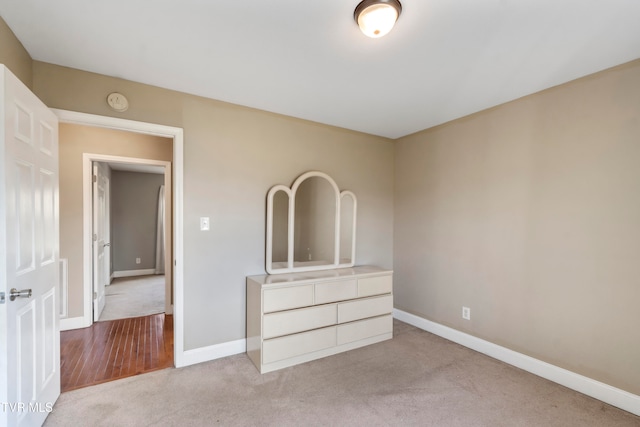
(134, 207)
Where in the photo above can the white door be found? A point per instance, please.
(101, 245)
(29, 256)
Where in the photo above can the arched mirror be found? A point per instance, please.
(310, 226)
(347, 227)
(280, 226)
(315, 222)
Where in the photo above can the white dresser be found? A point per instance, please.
(297, 317)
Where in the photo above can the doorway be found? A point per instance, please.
(175, 171)
(138, 342)
(132, 263)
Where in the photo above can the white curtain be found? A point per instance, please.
(160, 233)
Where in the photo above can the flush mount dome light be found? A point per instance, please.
(377, 17)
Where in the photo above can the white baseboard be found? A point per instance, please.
(73, 323)
(204, 354)
(601, 391)
(131, 273)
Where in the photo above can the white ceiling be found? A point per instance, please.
(445, 58)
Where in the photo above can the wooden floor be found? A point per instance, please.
(115, 349)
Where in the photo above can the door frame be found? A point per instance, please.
(177, 134)
(88, 160)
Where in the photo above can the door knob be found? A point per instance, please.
(14, 293)
(106, 244)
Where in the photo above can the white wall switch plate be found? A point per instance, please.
(204, 223)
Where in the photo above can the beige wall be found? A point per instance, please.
(14, 55)
(233, 155)
(74, 140)
(529, 214)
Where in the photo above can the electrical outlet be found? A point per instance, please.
(138, 261)
(466, 313)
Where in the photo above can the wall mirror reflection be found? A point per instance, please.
(310, 226)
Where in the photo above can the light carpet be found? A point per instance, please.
(134, 297)
(416, 379)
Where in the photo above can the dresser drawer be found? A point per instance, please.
(375, 286)
(363, 329)
(281, 348)
(287, 298)
(303, 319)
(361, 309)
(336, 291)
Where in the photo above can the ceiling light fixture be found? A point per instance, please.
(377, 17)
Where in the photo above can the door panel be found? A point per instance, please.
(24, 215)
(101, 271)
(26, 357)
(48, 205)
(49, 338)
(29, 235)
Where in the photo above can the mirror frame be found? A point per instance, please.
(291, 193)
